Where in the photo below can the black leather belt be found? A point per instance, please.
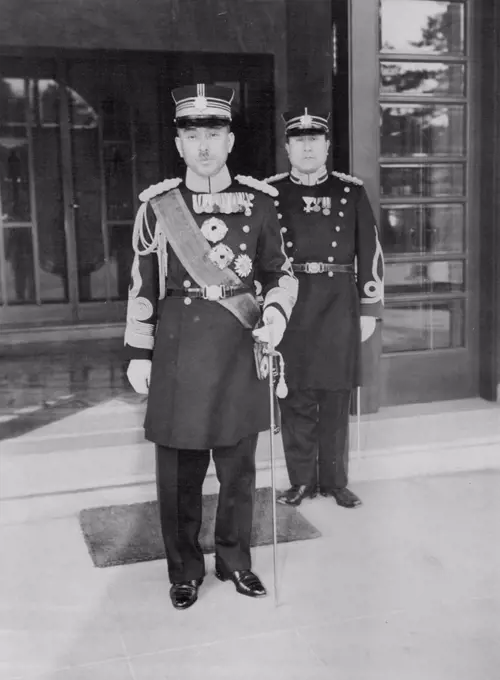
(212, 293)
(323, 267)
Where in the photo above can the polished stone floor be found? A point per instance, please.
(407, 587)
(45, 382)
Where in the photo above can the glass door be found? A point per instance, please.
(79, 139)
(33, 235)
(101, 153)
(419, 117)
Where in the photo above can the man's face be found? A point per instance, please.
(307, 153)
(205, 150)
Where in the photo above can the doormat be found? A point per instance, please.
(126, 534)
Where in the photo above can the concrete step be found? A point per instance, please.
(117, 423)
(98, 456)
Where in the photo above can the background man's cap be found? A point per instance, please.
(197, 103)
(301, 122)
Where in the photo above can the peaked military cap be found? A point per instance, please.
(202, 105)
(301, 122)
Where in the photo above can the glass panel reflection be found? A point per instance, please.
(18, 243)
(12, 102)
(121, 256)
(88, 222)
(82, 114)
(14, 167)
(422, 26)
(423, 326)
(421, 78)
(146, 129)
(45, 102)
(14, 179)
(424, 277)
(115, 109)
(421, 130)
(423, 229)
(422, 181)
(115, 119)
(48, 190)
(85, 145)
(118, 170)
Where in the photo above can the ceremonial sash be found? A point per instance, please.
(193, 249)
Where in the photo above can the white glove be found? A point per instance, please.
(274, 327)
(138, 374)
(368, 325)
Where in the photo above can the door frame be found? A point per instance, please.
(487, 26)
(67, 189)
(415, 376)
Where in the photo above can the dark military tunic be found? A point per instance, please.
(204, 390)
(329, 222)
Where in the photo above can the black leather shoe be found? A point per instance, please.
(185, 594)
(296, 494)
(344, 497)
(246, 582)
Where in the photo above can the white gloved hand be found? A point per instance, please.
(274, 327)
(138, 374)
(368, 325)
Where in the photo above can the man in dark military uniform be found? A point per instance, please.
(190, 333)
(332, 240)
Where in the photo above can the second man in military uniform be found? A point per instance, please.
(331, 238)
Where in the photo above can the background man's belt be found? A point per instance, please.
(323, 267)
(212, 293)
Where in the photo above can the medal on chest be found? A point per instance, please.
(317, 204)
(227, 203)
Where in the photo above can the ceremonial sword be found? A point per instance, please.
(272, 427)
(358, 419)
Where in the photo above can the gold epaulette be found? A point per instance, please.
(160, 188)
(348, 178)
(257, 184)
(276, 178)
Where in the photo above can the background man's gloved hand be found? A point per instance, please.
(138, 374)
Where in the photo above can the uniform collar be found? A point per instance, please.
(208, 185)
(311, 179)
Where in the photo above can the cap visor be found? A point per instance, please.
(202, 121)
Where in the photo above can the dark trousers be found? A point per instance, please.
(315, 430)
(179, 476)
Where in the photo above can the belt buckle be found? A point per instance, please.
(314, 267)
(213, 293)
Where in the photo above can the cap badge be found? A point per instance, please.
(306, 121)
(200, 103)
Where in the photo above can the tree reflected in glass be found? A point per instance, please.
(424, 26)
